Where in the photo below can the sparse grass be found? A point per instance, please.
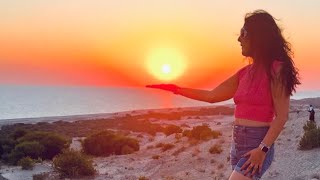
(215, 149)
(178, 136)
(178, 151)
(159, 145)
(193, 142)
(143, 178)
(228, 158)
(220, 166)
(150, 147)
(155, 157)
(166, 147)
(195, 151)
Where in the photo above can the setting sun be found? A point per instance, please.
(166, 63)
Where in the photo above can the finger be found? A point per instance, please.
(260, 168)
(155, 86)
(245, 164)
(248, 169)
(255, 168)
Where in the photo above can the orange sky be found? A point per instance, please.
(106, 43)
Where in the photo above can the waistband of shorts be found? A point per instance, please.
(250, 127)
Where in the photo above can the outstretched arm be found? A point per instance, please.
(222, 92)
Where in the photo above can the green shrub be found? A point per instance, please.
(171, 129)
(72, 164)
(106, 143)
(215, 149)
(26, 163)
(33, 149)
(202, 132)
(52, 143)
(18, 133)
(309, 126)
(13, 157)
(310, 139)
(7, 144)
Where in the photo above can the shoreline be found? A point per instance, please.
(81, 117)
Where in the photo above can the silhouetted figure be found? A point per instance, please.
(259, 90)
(312, 113)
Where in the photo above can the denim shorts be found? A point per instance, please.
(245, 139)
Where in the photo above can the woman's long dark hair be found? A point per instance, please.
(267, 44)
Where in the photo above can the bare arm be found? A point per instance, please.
(222, 92)
(281, 105)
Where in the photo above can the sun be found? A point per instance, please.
(165, 63)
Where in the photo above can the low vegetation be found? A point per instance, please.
(106, 143)
(72, 164)
(202, 132)
(172, 129)
(311, 137)
(36, 145)
(26, 163)
(215, 149)
(165, 146)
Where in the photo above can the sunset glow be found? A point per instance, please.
(133, 43)
(166, 63)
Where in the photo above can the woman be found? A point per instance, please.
(261, 92)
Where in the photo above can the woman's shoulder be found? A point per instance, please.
(243, 70)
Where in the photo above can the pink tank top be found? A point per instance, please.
(253, 97)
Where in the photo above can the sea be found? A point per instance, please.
(49, 101)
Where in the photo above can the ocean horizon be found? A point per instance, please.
(49, 101)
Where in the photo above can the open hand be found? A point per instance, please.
(167, 87)
(254, 162)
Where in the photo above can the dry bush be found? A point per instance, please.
(171, 129)
(195, 151)
(215, 149)
(166, 147)
(155, 157)
(150, 147)
(178, 151)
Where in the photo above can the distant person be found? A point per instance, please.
(261, 92)
(312, 113)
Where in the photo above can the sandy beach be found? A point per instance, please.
(192, 160)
